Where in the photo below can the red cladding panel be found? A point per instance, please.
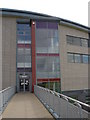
(24, 45)
(33, 55)
(47, 54)
(48, 80)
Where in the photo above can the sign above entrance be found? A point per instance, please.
(23, 76)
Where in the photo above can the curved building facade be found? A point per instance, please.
(38, 49)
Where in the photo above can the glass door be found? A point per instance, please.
(24, 85)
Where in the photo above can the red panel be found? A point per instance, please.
(24, 45)
(33, 55)
(27, 45)
(47, 54)
(48, 80)
(21, 45)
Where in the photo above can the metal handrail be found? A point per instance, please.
(79, 103)
(5, 96)
(61, 105)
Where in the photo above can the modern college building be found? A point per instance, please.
(38, 49)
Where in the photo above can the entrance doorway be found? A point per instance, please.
(24, 85)
(24, 82)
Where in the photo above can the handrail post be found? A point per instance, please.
(80, 108)
(65, 98)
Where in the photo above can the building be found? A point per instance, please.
(44, 50)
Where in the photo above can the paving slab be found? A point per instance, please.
(25, 105)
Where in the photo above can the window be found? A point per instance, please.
(69, 40)
(47, 50)
(77, 58)
(89, 59)
(20, 51)
(70, 58)
(21, 58)
(84, 42)
(28, 51)
(23, 49)
(27, 59)
(89, 43)
(23, 33)
(77, 41)
(85, 58)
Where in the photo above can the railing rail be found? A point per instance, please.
(61, 106)
(5, 96)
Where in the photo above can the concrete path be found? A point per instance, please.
(25, 105)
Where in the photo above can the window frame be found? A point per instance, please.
(81, 38)
(75, 59)
(68, 57)
(87, 58)
(81, 58)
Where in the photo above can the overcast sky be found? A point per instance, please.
(74, 10)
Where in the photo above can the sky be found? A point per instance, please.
(73, 10)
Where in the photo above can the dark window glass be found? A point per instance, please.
(42, 63)
(27, 32)
(28, 51)
(89, 43)
(27, 26)
(20, 33)
(48, 25)
(23, 50)
(47, 42)
(70, 58)
(41, 25)
(28, 37)
(77, 41)
(85, 58)
(89, 59)
(42, 67)
(77, 58)
(20, 27)
(21, 58)
(52, 25)
(84, 42)
(69, 40)
(27, 59)
(20, 51)
(52, 33)
(20, 37)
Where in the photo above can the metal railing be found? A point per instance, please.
(5, 96)
(61, 106)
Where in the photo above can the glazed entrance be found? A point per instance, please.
(24, 67)
(24, 82)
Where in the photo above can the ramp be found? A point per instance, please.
(25, 105)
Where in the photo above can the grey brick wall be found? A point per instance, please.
(74, 76)
(8, 52)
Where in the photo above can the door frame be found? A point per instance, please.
(24, 85)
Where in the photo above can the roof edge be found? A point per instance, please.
(43, 16)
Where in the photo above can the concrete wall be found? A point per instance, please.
(74, 76)
(0, 52)
(8, 52)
